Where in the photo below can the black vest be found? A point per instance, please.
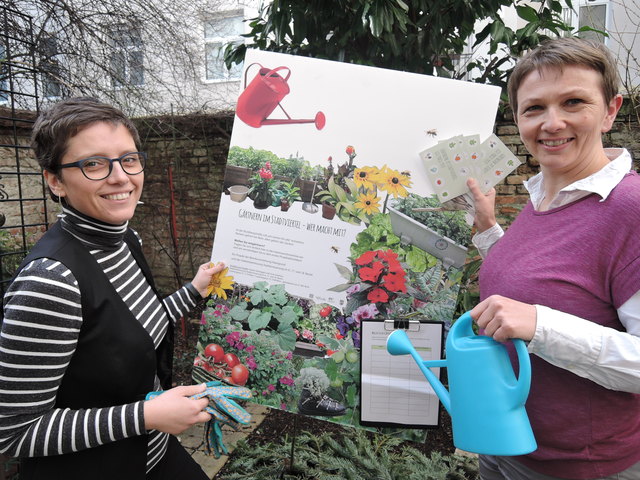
(115, 363)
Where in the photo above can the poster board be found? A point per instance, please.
(349, 135)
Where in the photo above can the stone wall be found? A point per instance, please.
(187, 157)
(23, 215)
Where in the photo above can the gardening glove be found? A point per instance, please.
(223, 411)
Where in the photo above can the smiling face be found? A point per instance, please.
(112, 200)
(561, 117)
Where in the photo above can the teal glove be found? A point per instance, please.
(223, 411)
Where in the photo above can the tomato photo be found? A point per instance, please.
(198, 361)
(207, 367)
(325, 312)
(214, 351)
(231, 359)
(239, 374)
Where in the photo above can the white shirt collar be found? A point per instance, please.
(602, 182)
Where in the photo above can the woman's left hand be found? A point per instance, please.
(503, 318)
(204, 274)
(484, 205)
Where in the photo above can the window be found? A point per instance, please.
(595, 16)
(50, 67)
(218, 32)
(127, 65)
(4, 86)
(590, 13)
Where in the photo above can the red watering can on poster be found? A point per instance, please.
(260, 98)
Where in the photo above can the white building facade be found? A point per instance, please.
(148, 74)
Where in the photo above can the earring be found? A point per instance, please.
(61, 214)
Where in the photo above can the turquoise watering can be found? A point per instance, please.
(485, 400)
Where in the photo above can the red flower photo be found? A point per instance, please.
(383, 271)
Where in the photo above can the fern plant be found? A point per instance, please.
(359, 456)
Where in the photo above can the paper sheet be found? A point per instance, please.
(393, 389)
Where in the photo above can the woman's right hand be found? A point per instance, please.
(174, 412)
(485, 205)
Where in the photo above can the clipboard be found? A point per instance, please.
(393, 391)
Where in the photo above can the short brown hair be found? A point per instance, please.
(563, 52)
(54, 127)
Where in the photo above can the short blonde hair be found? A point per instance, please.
(563, 52)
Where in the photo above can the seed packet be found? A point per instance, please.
(496, 162)
(452, 161)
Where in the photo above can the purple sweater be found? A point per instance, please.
(584, 259)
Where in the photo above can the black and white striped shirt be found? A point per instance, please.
(42, 320)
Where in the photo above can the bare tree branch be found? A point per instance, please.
(142, 56)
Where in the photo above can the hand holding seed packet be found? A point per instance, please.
(451, 162)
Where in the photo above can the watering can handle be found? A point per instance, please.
(279, 68)
(524, 374)
(246, 71)
(464, 328)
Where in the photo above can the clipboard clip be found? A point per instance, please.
(403, 323)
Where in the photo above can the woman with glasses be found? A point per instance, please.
(85, 335)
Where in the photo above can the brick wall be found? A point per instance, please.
(511, 194)
(195, 147)
(187, 156)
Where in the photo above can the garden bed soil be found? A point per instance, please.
(279, 423)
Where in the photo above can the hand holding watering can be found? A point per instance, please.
(485, 400)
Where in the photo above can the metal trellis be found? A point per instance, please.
(23, 216)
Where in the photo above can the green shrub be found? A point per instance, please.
(292, 167)
(11, 255)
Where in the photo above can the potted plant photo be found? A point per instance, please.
(340, 201)
(262, 186)
(443, 234)
(290, 193)
(328, 208)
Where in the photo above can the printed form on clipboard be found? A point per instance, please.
(393, 389)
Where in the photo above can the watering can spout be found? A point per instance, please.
(398, 343)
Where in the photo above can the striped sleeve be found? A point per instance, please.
(42, 320)
(182, 302)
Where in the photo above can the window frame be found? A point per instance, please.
(50, 67)
(123, 48)
(219, 42)
(4, 84)
(575, 15)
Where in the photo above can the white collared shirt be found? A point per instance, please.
(601, 354)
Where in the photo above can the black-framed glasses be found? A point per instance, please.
(99, 168)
